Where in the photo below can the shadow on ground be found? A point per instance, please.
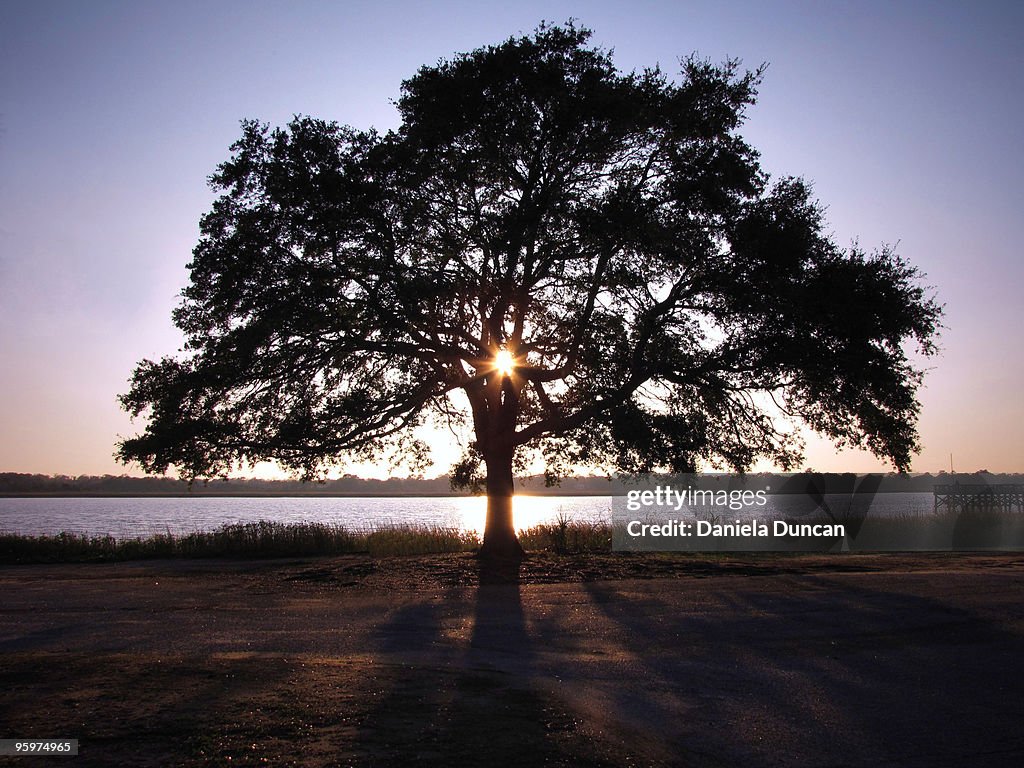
(267, 666)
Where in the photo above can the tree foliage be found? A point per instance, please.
(664, 300)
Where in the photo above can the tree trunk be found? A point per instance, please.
(500, 540)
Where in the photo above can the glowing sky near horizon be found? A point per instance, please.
(905, 116)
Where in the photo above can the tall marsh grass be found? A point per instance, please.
(919, 532)
(242, 540)
(271, 539)
(565, 536)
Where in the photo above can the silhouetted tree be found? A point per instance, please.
(586, 265)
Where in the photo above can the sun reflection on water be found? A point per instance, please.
(528, 511)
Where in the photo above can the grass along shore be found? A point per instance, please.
(265, 539)
(978, 530)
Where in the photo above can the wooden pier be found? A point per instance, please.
(989, 498)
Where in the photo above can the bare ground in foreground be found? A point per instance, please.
(601, 660)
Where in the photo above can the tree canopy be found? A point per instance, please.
(662, 302)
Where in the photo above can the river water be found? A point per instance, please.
(126, 517)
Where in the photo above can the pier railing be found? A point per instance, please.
(960, 497)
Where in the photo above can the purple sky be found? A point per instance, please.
(905, 116)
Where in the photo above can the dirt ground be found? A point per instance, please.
(610, 660)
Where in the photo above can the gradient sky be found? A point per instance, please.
(906, 117)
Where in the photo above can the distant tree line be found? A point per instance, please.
(21, 484)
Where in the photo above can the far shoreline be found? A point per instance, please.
(23, 485)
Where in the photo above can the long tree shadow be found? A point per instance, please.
(831, 672)
(468, 699)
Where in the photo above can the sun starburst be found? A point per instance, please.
(504, 363)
